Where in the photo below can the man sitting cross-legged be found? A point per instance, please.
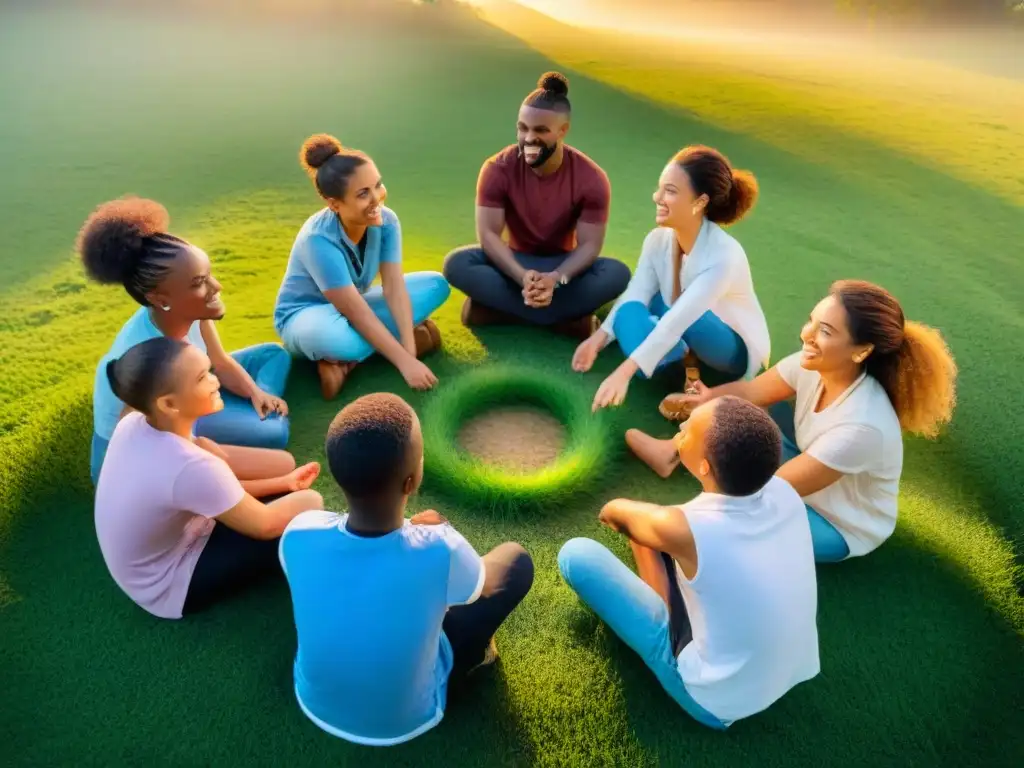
(724, 608)
(554, 201)
(387, 609)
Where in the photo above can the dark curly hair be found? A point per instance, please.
(743, 445)
(551, 93)
(126, 241)
(329, 164)
(369, 445)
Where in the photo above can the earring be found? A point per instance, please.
(165, 308)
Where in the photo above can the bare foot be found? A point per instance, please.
(659, 455)
(332, 377)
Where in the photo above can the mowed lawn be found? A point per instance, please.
(920, 643)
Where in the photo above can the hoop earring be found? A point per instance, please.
(165, 308)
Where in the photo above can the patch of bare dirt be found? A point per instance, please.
(523, 439)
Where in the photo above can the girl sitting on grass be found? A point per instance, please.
(692, 294)
(864, 375)
(126, 241)
(326, 310)
(178, 528)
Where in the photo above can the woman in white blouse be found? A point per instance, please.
(864, 376)
(692, 291)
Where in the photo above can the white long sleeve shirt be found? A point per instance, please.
(714, 276)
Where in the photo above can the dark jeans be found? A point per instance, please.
(469, 628)
(472, 272)
(230, 563)
(680, 631)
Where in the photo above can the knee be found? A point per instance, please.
(277, 355)
(521, 568)
(574, 553)
(628, 315)
(438, 288)
(274, 432)
(456, 262)
(618, 275)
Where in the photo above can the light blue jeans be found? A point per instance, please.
(829, 544)
(320, 332)
(238, 423)
(712, 341)
(633, 611)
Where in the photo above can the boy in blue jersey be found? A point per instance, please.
(387, 609)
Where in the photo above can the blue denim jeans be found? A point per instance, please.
(320, 332)
(633, 611)
(829, 544)
(238, 423)
(712, 341)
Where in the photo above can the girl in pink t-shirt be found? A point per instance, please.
(162, 491)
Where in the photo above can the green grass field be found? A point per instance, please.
(915, 181)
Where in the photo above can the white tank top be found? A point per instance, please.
(753, 602)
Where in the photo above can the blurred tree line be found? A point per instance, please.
(952, 9)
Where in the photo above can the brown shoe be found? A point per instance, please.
(332, 377)
(580, 328)
(474, 313)
(675, 407)
(428, 337)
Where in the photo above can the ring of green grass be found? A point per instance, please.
(470, 480)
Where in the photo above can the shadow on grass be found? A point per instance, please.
(909, 618)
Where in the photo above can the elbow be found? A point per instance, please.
(270, 531)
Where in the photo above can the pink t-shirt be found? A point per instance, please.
(155, 498)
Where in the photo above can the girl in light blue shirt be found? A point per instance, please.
(126, 241)
(326, 310)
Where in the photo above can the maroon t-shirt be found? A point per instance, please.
(541, 212)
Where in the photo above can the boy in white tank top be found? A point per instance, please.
(724, 610)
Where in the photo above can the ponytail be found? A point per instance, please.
(924, 393)
(910, 360)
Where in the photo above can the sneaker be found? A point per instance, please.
(428, 338)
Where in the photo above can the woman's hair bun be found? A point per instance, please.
(111, 240)
(317, 150)
(554, 82)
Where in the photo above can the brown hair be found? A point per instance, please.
(329, 164)
(910, 360)
(731, 193)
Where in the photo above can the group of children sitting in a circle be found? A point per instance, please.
(196, 497)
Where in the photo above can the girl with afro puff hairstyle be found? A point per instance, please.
(864, 376)
(326, 309)
(126, 241)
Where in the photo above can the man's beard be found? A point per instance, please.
(546, 151)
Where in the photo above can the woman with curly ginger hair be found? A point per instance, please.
(126, 241)
(865, 375)
(326, 309)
